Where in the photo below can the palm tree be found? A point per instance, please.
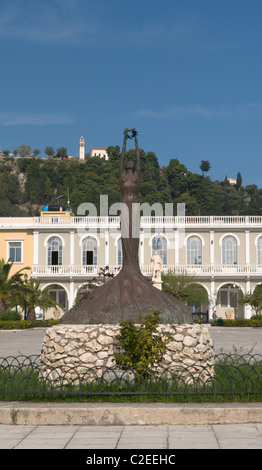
(35, 297)
(10, 286)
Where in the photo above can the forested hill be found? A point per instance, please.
(28, 184)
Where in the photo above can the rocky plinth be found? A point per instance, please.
(72, 350)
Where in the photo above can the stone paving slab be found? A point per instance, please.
(192, 437)
(130, 437)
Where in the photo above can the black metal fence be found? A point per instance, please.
(234, 377)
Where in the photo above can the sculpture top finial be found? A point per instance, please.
(127, 131)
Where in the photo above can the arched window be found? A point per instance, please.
(259, 251)
(59, 295)
(229, 250)
(119, 252)
(194, 250)
(229, 295)
(54, 251)
(89, 251)
(159, 244)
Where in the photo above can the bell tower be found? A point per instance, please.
(82, 148)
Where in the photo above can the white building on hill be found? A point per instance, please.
(99, 152)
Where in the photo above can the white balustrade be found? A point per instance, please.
(146, 221)
(198, 270)
(150, 220)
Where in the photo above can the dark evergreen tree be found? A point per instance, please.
(239, 180)
(205, 166)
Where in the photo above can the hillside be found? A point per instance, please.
(28, 184)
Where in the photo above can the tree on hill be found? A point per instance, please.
(49, 151)
(177, 177)
(191, 203)
(205, 166)
(113, 152)
(24, 150)
(61, 152)
(36, 152)
(239, 180)
(203, 191)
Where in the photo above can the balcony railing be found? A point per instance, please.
(198, 270)
(71, 270)
(146, 221)
(151, 220)
(78, 221)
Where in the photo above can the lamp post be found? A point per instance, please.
(26, 277)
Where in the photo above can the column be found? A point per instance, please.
(36, 248)
(247, 233)
(212, 247)
(247, 308)
(176, 248)
(212, 300)
(141, 249)
(107, 248)
(72, 248)
(71, 293)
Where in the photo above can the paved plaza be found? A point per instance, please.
(248, 436)
(220, 433)
(240, 340)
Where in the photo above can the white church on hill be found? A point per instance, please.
(95, 151)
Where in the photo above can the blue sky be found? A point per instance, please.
(185, 73)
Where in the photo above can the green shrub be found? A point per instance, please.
(256, 317)
(237, 322)
(24, 324)
(140, 346)
(255, 322)
(10, 315)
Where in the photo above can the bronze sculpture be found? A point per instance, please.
(129, 295)
(129, 180)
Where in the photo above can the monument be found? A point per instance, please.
(84, 339)
(156, 268)
(129, 294)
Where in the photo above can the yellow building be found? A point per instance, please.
(16, 242)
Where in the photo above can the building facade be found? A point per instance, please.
(100, 152)
(65, 252)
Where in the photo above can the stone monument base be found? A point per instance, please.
(70, 351)
(157, 283)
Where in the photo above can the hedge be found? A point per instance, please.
(23, 324)
(238, 322)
